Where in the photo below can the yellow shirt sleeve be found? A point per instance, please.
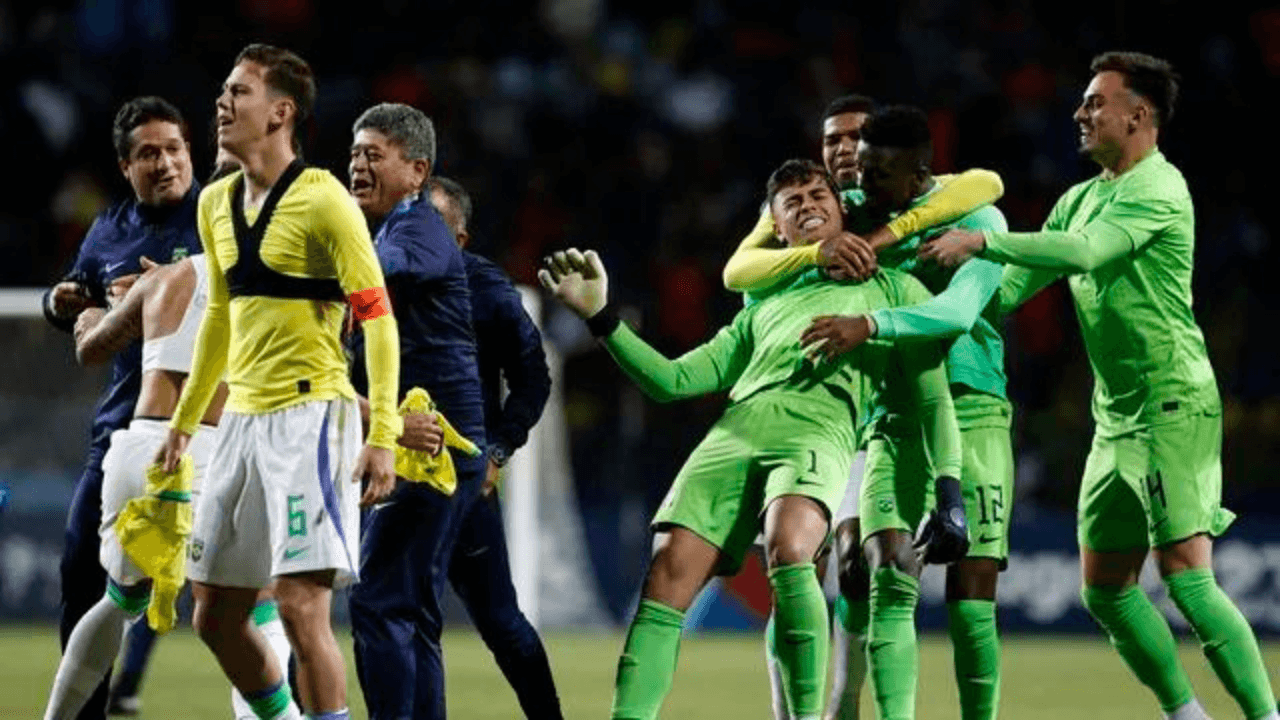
(957, 196)
(209, 361)
(340, 227)
(759, 263)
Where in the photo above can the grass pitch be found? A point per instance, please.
(719, 676)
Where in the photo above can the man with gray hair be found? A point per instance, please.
(407, 541)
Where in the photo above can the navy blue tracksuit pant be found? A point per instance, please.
(396, 617)
(481, 575)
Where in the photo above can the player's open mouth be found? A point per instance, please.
(812, 222)
(360, 186)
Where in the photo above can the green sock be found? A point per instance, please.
(648, 662)
(800, 639)
(270, 703)
(891, 643)
(975, 647)
(853, 615)
(1226, 637)
(1143, 638)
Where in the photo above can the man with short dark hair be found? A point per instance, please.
(842, 123)
(1153, 481)
(778, 459)
(396, 614)
(287, 251)
(508, 349)
(158, 222)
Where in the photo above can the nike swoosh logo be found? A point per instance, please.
(985, 539)
(292, 553)
(108, 269)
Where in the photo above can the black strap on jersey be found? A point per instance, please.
(250, 276)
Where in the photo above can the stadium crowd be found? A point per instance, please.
(644, 129)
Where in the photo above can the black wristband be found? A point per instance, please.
(603, 323)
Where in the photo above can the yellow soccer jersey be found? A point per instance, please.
(279, 350)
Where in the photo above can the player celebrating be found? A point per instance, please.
(902, 187)
(158, 222)
(508, 348)
(779, 457)
(285, 246)
(1153, 480)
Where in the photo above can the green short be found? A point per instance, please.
(1154, 486)
(780, 442)
(897, 487)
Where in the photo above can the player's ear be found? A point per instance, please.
(282, 111)
(124, 167)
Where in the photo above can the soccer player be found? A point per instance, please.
(164, 307)
(779, 457)
(140, 638)
(509, 347)
(894, 156)
(917, 201)
(1153, 481)
(396, 614)
(286, 248)
(159, 222)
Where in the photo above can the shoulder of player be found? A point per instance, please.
(1155, 178)
(987, 217)
(319, 186)
(900, 286)
(217, 191)
(168, 289)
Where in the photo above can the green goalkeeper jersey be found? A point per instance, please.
(962, 311)
(1127, 244)
(760, 351)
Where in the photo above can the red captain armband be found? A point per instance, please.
(370, 303)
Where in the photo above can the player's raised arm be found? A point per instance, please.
(580, 282)
(761, 261)
(953, 311)
(1124, 226)
(209, 360)
(956, 196)
(347, 236)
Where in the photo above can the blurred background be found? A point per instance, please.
(646, 130)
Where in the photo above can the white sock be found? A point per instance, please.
(1191, 711)
(779, 704)
(90, 651)
(272, 630)
(849, 657)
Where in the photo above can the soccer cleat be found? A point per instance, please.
(124, 705)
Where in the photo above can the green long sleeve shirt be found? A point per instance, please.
(1127, 244)
(760, 351)
(962, 310)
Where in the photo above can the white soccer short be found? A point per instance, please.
(279, 497)
(124, 477)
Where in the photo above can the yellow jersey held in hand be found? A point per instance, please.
(421, 466)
